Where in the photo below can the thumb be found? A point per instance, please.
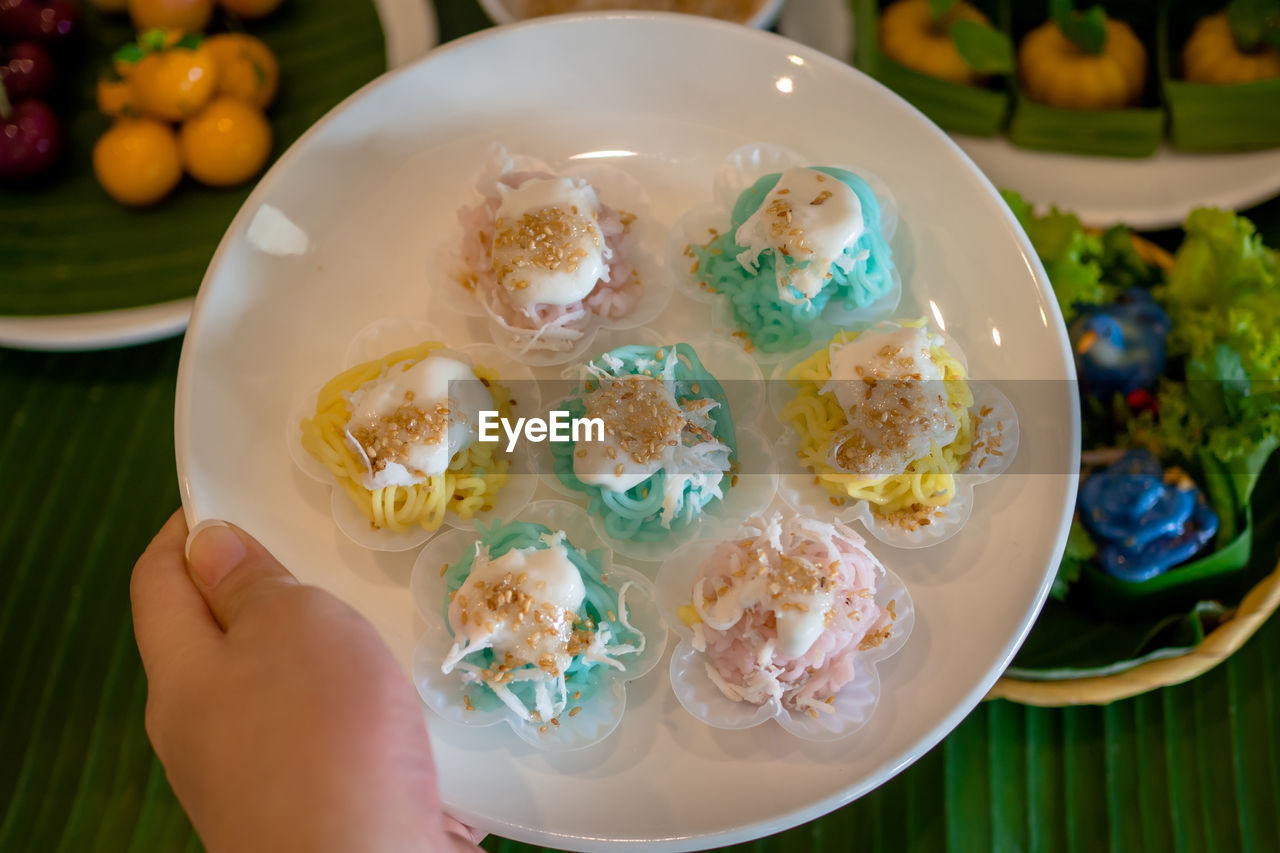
(231, 569)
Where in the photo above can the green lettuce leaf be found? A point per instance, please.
(1223, 295)
(1079, 551)
(1072, 257)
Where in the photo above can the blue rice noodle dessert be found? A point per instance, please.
(535, 623)
(799, 241)
(669, 445)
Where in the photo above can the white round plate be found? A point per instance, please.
(410, 29)
(377, 178)
(1147, 193)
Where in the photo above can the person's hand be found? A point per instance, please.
(282, 719)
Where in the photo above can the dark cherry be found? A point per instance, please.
(47, 21)
(30, 140)
(26, 70)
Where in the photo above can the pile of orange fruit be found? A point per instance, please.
(184, 102)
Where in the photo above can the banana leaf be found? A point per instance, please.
(1134, 132)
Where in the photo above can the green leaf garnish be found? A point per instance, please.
(1254, 22)
(985, 49)
(1086, 30)
(128, 54)
(151, 40)
(940, 7)
(155, 41)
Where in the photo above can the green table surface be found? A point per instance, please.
(86, 449)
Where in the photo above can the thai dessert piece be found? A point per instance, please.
(912, 34)
(666, 447)
(535, 620)
(783, 612)
(1144, 519)
(886, 416)
(1120, 347)
(399, 435)
(1086, 61)
(546, 257)
(800, 241)
(1216, 54)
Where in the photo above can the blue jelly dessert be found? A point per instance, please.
(1120, 347)
(1145, 519)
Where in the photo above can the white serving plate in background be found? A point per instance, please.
(1144, 192)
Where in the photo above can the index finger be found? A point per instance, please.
(170, 618)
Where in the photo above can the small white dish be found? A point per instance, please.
(996, 436)
(615, 188)
(373, 342)
(739, 170)
(600, 711)
(747, 489)
(698, 693)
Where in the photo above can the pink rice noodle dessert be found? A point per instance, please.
(545, 257)
(783, 612)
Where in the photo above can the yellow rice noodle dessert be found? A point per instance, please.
(399, 433)
(884, 416)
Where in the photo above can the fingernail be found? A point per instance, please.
(213, 550)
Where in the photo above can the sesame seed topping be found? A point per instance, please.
(549, 239)
(638, 414)
(389, 438)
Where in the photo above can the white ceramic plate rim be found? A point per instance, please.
(410, 31)
(750, 829)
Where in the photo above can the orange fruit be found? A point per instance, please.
(226, 143)
(175, 83)
(250, 8)
(247, 69)
(190, 15)
(116, 97)
(137, 161)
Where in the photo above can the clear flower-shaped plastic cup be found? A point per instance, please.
(851, 706)
(737, 173)
(995, 443)
(602, 709)
(748, 488)
(373, 342)
(615, 188)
